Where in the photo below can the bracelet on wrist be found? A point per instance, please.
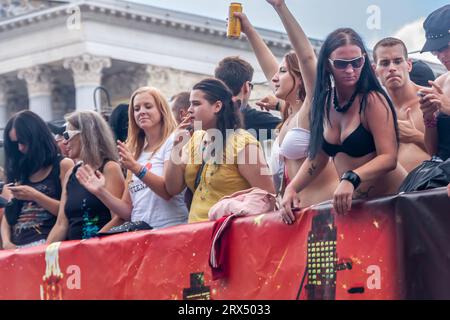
(141, 174)
(430, 123)
(277, 106)
(351, 177)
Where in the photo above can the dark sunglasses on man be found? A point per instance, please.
(342, 64)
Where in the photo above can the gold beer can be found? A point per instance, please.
(234, 24)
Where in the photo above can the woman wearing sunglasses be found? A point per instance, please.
(35, 172)
(89, 142)
(293, 81)
(145, 156)
(354, 122)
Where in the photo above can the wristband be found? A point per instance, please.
(352, 177)
(277, 106)
(142, 173)
(430, 123)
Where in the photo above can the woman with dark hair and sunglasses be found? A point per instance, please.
(219, 159)
(293, 82)
(35, 172)
(90, 143)
(354, 122)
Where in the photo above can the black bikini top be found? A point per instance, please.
(358, 144)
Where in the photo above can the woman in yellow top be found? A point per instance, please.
(220, 158)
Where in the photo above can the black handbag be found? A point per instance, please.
(431, 174)
(127, 227)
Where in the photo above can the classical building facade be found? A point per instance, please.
(53, 54)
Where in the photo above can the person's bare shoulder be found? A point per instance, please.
(443, 79)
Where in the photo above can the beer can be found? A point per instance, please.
(234, 24)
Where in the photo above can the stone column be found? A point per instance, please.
(3, 102)
(38, 80)
(87, 75)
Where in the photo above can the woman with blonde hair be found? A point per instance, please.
(91, 145)
(145, 155)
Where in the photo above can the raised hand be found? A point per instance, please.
(92, 180)
(126, 158)
(184, 130)
(268, 103)
(246, 26)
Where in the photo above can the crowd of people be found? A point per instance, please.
(349, 129)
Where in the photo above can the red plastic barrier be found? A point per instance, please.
(350, 257)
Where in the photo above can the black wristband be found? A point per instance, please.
(352, 177)
(277, 106)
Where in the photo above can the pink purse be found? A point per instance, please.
(249, 201)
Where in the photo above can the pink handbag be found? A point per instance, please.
(249, 201)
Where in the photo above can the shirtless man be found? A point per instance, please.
(392, 67)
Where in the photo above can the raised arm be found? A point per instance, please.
(174, 168)
(300, 42)
(153, 181)
(266, 59)
(95, 183)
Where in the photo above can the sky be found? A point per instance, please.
(372, 19)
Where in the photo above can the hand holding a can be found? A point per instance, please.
(246, 26)
(234, 24)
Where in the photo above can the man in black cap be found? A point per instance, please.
(437, 33)
(435, 103)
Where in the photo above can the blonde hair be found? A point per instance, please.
(136, 136)
(97, 140)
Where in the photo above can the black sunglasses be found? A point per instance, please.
(69, 134)
(341, 64)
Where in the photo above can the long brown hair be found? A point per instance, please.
(97, 140)
(136, 136)
(293, 68)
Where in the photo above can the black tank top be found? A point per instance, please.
(85, 212)
(34, 222)
(443, 127)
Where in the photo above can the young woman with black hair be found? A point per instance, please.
(354, 122)
(219, 159)
(35, 172)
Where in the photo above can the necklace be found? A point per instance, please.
(345, 107)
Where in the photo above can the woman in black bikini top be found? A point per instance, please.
(352, 121)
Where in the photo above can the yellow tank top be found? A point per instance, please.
(217, 180)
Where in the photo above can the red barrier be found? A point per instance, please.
(347, 257)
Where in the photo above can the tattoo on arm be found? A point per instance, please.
(361, 194)
(312, 169)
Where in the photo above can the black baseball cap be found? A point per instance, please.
(57, 127)
(437, 29)
(421, 73)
